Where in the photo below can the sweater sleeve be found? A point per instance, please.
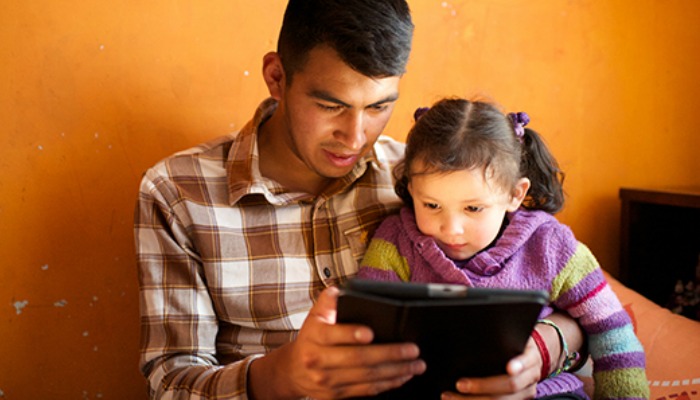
(618, 357)
(383, 261)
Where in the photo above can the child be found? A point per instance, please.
(480, 191)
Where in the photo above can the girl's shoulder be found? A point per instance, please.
(541, 226)
(390, 226)
(399, 225)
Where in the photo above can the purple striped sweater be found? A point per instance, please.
(534, 251)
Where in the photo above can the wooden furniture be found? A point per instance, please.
(660, 239)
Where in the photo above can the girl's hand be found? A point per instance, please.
(520, 382)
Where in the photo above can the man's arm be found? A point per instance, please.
(178, 322)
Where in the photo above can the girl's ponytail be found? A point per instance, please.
(546, 179)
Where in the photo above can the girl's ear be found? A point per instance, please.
(273, 73)
(518, 194)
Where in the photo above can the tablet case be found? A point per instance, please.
(461, 332)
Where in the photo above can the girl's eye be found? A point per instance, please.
(474, 209)
(431, 206)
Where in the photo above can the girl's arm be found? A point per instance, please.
(573, 334)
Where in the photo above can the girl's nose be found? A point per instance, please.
(453, 226)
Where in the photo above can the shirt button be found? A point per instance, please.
(327, 272)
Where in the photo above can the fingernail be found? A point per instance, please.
(363, 335)
(418, 367)
(410, 351)
(516, 366)
(333, 290)
(464, 385)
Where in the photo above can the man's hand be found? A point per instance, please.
(332, 361)
(519, 383)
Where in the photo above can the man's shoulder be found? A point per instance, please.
(388, 150)
(212, 153)
(216, 148)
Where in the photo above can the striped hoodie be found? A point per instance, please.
(534, 251)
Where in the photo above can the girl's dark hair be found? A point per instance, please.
(373, 37)
(458, 134)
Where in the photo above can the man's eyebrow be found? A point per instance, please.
(325, 96)
(388, 99)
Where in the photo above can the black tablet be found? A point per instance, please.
(461, 331)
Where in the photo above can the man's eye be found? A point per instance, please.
(329, 108)
(379, 107)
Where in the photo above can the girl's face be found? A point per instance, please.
(461, 210)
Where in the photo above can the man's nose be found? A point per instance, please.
(353, 134)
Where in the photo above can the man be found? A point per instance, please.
(238, 238)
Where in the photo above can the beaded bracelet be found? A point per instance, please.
(569, 359)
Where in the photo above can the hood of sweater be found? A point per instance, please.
(521, 225)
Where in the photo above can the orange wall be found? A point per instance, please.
(91, 94)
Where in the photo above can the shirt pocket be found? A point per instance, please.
(358, 237)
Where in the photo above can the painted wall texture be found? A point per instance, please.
(93, 93)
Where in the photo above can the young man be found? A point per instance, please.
(241, 240)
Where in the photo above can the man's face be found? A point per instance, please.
(334, 114)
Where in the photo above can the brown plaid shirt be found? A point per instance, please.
(230, 262)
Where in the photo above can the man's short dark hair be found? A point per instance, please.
(373, 37)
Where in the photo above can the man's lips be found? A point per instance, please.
(340, 159)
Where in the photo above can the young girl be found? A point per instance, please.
(480, 190)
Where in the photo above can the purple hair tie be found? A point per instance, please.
(419, 112)
(519, 119)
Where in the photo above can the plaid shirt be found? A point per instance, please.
(230, 262)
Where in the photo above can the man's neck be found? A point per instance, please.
(279, 163)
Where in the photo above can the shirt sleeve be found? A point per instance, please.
(618, 356)
(178, 322)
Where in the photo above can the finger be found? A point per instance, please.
(523, 371)
(499, 385)
(380, 377)
(325, 308)
(528, 393)
(367, 356)
(320, 327)
(530, 358)
(364, 389)
(338, 334)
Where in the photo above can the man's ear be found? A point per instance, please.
(273, 73)
(518, 194)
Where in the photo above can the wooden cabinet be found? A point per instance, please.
(660, 239)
